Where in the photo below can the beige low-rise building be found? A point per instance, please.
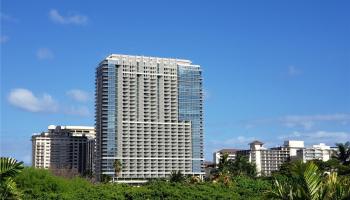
(232, 153)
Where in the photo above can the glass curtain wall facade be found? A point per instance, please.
(191, 109)
(149, 117)
(106, 120)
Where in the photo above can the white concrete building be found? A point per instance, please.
(149, 117)
(316, 152)
(64, 147)
(269, 160)
(232, 153)
(293, 146)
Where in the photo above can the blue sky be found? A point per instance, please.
(273, 70)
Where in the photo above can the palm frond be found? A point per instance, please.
(281, 191)
(313, 180)
(9, 190)
(9, 167)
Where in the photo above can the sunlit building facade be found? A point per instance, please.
(149, 116)
(231, 155)
(64, 147)
(316, 152)
(268, 160)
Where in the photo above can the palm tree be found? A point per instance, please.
(335, 187)
(242, 166)
(343, 154)
(117, 168)
(224, 164)
(223, 174)
(176, 176)
(309, 184)
(9, 168)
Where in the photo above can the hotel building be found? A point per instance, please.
(269, 160)
(316, 152)
(64, 147)
(232, 153)
(149, 116)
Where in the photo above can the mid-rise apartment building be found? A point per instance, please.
(293, 146)
(316, 152)
(269, 160)
(232, 153)
(265, 160)
(64, 147)
(149, 116)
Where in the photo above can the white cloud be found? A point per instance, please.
(7, 18)
(26, 100)
(239, 141)
(3, 38)
(293, 71)
(79, 110)
(77, 19)
(78, 95)
(314, 137)
(308, 121)
(304, 121)
(44, 54)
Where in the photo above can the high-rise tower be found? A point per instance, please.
(149, 117)
(65, 148)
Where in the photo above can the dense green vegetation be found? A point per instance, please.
(41, 184)
(315, 180)
(307, 181)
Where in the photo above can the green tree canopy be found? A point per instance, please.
(307, 182)
(343, 153)
(177, 177)
(241, 166)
